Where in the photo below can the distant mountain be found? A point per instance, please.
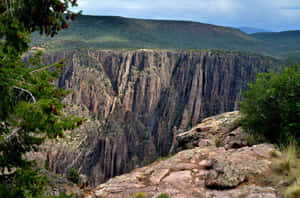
(111, 32)
(284, 44)
(251, 30)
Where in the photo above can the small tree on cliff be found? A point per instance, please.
(30, 104)
(271, 107)
(73, 176)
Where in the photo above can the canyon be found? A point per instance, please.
(137, 101)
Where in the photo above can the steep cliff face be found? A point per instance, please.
(137, 100)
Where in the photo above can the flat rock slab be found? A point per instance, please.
(177, 178)
(157, 176)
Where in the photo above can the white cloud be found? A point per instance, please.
(268, 14)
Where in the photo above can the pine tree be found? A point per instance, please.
(30, 103)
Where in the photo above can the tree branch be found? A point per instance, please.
(40, 69)
(37, 70)
(28, 92)
(13, 133)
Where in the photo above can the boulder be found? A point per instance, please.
(224, 175)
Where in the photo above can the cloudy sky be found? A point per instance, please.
(274, 15)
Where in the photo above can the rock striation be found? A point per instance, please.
(137, 101)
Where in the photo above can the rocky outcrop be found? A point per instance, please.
(186, 175)
(136, 101)
(221, 130)
(205, 171)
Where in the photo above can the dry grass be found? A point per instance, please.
(287, 167)
(254, 139)
(293, 191)
(287, 163)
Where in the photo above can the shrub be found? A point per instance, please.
(138, 195)
(218, 142)
(163, 195)
(271, 107)
(61, 195)
(73, 176)
(274, 153)
(47, 165)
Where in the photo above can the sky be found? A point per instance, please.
(272, 15)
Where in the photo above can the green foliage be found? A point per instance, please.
(62, 195)
(163, 195)
(20, 18)
(47, 166)
(30, 105)
(22, 183)
(73, 176)
(271, 107)
(274, 153)
(218, 142)
(139, 195)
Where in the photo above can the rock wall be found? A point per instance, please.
(137, 100)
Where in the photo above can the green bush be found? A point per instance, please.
(73, 176)
(271, 107)
(47, 165)
(218, 142)
(61, 195)
(163, 195)
(139, 195)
